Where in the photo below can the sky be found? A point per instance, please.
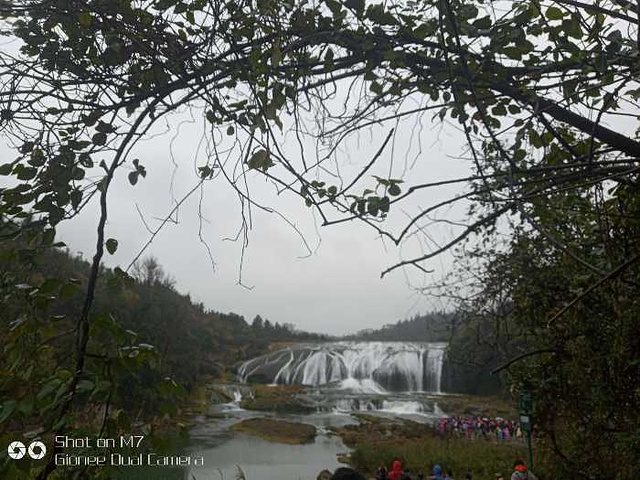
(336, 287)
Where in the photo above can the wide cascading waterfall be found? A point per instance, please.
(374, 367)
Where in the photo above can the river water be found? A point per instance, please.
(224, 451)
(262, 460)
(390, 379)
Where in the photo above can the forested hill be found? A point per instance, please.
(189, 340)
(430, 327)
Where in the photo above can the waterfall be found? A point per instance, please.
(372, 367)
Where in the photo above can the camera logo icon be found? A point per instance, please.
(16, 450)
(37, 450)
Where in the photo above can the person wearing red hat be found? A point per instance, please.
(396, 470)
(521, 472)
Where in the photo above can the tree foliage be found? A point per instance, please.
(149, 346)
(430, 327)
(544, 91)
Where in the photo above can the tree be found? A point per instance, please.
(150, 272)
(540, 89)
(257, 323)
(535, 316)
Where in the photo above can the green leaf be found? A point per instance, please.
(5, 169)
(328, 60)
(554, 13)
(99, 138)
(26, 404)
(84, 19)
(394, 190)
(50, 285)
(574, 29)
(334, 6)
(514, 53)
(373, 206)
(133, 177)
(85, 385)
(26, 173)
(376, 88)
(483, 23)
(68, 290)
(384, 204)
(78, 174)
(48, 388)
(260, 160)
(112, 245)
(8, 408)
(104, 127)
(205, 171)
(467, 11)
(514, 109)
(377, 14)
(276, 55)
(356, 5)
(499, 110)
(180, 8)
(26, 147)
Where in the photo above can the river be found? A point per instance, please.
(389, 379)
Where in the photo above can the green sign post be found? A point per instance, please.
(526, 423)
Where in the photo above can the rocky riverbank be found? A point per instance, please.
(277, 430)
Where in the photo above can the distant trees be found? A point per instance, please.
(282, 332)
(430, 327)
(150, 272)
(257, 323)
(189, 339)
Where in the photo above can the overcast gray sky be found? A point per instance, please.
(337, 289)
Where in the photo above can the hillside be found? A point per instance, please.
(148, 341)
(430, 327)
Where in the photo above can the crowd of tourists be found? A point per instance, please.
(480, 427)
(437, 472)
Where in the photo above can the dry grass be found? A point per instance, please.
(378, 441)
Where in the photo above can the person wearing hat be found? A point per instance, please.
(521, 473)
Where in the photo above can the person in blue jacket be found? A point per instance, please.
(437, 473)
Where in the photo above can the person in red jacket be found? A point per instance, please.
(396, 471)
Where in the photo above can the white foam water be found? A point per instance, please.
(233, 405)
(402, 408)
(367, 385)
(362, 367)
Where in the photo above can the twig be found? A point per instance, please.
(520, 357)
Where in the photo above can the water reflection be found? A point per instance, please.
(261, 460)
